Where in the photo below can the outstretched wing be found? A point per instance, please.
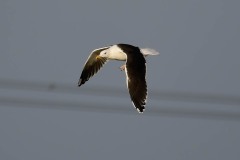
(92, 65)
(136, 80)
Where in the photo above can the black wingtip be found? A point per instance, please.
(80, 83)
(140, 110)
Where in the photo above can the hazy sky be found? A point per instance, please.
(47, 42)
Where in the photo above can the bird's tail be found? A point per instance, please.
(149, 51)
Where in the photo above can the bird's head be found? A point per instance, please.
(114, 53)
(105, 53)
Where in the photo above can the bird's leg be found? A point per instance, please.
(123, 67)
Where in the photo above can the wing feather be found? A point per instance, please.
(136, 79)
(92, 65)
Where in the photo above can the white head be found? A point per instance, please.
(104, 53)
(113, 52)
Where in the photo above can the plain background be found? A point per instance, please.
(194, 84)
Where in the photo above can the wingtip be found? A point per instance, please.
(140, 110)
(80, 83)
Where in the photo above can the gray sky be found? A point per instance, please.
(194, 85)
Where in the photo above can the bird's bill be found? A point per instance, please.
(100, 58)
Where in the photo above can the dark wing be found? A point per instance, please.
(92, 65)
(136, 80)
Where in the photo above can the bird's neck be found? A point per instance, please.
(120, 56)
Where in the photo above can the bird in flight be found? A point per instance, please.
(134, 67)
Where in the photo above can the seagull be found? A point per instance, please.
(134, 67)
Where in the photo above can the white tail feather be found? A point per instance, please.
(149, 51)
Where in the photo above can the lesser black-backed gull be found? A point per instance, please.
(135, 68)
